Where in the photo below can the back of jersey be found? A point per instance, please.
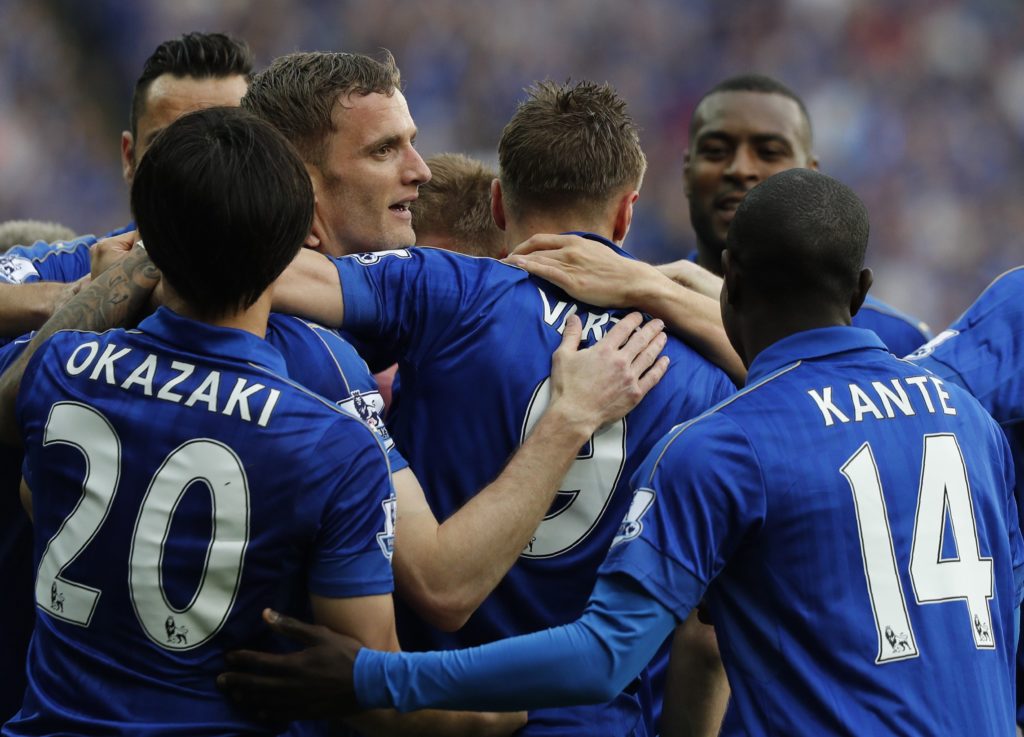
(871, 581)
(474, 339)
(180, 485)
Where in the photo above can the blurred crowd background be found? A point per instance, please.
(917, 104)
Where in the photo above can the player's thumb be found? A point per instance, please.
(571, 331)
(292, 628)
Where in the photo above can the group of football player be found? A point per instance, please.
(595, 497)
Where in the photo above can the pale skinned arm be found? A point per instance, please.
(25, 307)
(601, 277)
(310, 288)
(445, 571)
(112, 300)
(371, 619)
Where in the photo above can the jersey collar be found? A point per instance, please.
(810, 344)
(199, 337)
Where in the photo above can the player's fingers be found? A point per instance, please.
(253, 660)
(250, 687)
(307, 634)
(650, 352)
(641, 338)
(654, 374)
(619, 334)
(542, 242)
(546, 269)
(571, 335)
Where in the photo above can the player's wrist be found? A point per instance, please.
(572, 420)
(647, 287)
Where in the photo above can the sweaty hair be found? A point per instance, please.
(223, 204)
(297, 93)
(456, 205)
(800, 235)
(755, 83)
(196, 55)
(568, 145)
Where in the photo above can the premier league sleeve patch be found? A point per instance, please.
(633, 525)
(369, 407)
(17, 269)
(375, 257)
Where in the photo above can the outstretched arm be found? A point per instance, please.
(310, 288)
(371, 620)
(445, 571)
(588, 661)
(25, 307)
(601, 277)
(112, 300)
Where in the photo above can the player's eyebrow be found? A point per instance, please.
(389, 140)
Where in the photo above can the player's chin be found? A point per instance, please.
(400, 236)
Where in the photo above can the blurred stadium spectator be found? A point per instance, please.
(918, 105)
(27, 232)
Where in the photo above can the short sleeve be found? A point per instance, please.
(62, 261)
(325, 363)
(353, 545)
(697, 496)
(408, 302)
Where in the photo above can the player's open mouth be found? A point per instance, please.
(402, 209)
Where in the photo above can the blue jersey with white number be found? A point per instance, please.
(852, 522)
(983, 351)
(213, 486)
(473, 338)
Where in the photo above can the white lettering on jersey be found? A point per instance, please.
(897, 401)
(593, 322)
(244, 400)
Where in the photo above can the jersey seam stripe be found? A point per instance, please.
(708, 413)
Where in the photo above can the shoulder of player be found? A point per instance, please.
(719, 426)
(876, 311)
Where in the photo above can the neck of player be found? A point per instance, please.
(252, 319)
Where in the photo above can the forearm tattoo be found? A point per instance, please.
(112, 300)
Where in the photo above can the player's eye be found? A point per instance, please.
(713, 151)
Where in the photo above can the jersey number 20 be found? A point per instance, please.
(944, 491)
(201, 460)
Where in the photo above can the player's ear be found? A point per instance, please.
(686, 174)
(624, 215)
(864, 282)
(127, 157)
(497, 204)
(318, 233)
(730, 279)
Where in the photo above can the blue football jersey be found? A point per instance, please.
(473, 338)
(60, 261)
(983, 351)
(900, 333)
(181, 483)
(17, 614)
(322, 361)
(853, 525)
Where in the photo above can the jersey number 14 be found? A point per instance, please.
(944, 492)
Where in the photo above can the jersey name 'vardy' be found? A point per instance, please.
(474, 338)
